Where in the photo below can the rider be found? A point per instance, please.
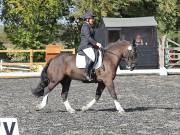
(88, 43)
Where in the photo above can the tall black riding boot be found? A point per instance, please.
(88, 70)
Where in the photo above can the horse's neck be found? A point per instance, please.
(113, 53)
(113, 57)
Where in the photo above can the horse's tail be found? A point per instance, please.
(39, 90)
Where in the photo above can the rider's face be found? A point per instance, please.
(91, 21)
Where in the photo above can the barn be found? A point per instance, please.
(142, 29)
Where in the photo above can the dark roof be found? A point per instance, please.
(129, 22)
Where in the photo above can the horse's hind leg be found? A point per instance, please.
(65, 89)
(49, 88)
(99, 91)
(43, 103)
(110, 87)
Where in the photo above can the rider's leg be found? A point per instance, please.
(88, 70)
(91, 55)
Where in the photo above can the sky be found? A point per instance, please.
(1, 23)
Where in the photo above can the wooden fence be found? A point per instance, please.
(31, 56)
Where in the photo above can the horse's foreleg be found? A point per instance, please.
(44, 102)
(68, 107)
(89, 105)
(99, 91)
(110, 87)
(65, 89)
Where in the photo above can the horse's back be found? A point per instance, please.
(61, 62)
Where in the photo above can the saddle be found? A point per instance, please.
(82, 60)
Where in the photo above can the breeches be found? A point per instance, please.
(90, 53)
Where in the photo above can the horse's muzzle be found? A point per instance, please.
(132, 68)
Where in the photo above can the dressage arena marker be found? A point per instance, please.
(9, 126)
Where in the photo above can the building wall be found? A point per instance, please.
(147, 33)
(147, 52)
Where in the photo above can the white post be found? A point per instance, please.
(1, 67)
(162, 69)
(118, 70)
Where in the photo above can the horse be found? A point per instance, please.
(62, 69)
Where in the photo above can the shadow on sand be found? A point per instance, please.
(136, 109)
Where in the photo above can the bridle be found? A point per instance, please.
(131, 56)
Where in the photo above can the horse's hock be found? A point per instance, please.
(52, 50)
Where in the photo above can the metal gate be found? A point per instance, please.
(172, 54)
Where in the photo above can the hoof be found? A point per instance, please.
(84, 108)
(121, 111)
(39, 107)
(71, 111)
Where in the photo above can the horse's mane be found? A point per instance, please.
(117, 44)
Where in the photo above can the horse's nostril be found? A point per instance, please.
(132, 68)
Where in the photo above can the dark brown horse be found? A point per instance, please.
(62, 69)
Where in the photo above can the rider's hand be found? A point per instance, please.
(99, 45)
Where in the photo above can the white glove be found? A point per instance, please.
(99, 45)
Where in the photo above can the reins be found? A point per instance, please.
(104, 50)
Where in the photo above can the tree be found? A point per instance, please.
(32, 23)
(167, 15)
(100, 8)
(166, 12)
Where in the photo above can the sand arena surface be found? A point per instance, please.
(152, 105)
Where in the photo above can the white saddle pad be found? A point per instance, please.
(81, 61)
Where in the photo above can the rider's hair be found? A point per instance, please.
(87, 19)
